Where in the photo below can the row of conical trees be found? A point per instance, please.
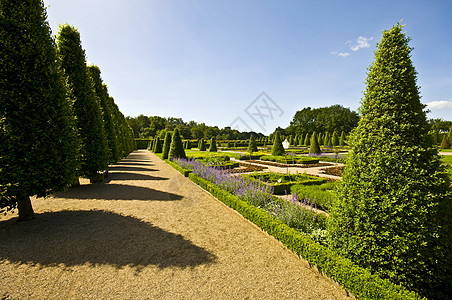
(172, 146)
(57, 120)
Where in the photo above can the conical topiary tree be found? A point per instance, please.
(334, 139)
(326, 139)
(176, 148)
(306, 140)
(342, 139)
(86, 107)
(277, 148)
(393, 216)
(252, 146)
(213, 145)
(166, 145)
(314, 147)
(202, 145)
(445, 143)
(38, 144)
(158, 148)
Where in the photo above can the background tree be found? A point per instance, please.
(158, 145)
(102, 94)
(252, 146)
(94, 154)
(342, 139)
(38, 144)
(306, 140)
(314, 147)
(445, 143)
(394, 212)
(213, 145)
(277, 148)
(176, 148)
(166, 145)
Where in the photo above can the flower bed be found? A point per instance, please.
(283, 165)
(335, 171)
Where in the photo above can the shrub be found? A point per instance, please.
(324, 195)
(166, 145)
(252, 147)
(158, 148)
(277, 148)
(393, 215)
(213, 145)
(202, 145)
(176, 147)
(314, 147)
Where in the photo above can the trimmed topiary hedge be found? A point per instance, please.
(359, 281)
(181, 170)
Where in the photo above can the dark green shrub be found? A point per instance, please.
(86, 107)
(393, 215)
(166, 145)
(314, 147)
(158, 147)
(176, 148)
(38, 141)
(307, 140)
(252, 147)
(213, 145)
(277, 148)
(324, 195)
(202, 145)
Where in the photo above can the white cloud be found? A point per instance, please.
(439, 104)
(341, 54)
(361, 42)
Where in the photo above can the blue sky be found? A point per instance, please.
(209, 61)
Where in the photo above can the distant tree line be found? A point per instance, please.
(149, 127)
(57, 120)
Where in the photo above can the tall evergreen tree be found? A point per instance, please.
(326, 139)
(213, 145)
(342, 139)
(166, 145)
(334, 139)
(158, 145)
(102, 94)
(314, 147)
(94, 155)
(202, 145)
(306, 140)
(38, 144)
(277, 148)
(445, 143)
(394, 212)
(252, 146)
(176, 148)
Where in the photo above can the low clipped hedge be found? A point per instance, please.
(352, 277)
(181, 170)
(284, 187)
(290, 159)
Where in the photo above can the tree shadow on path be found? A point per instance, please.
(115, 191)
(131, 176)
(96, 237)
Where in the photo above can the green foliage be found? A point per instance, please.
(176, 148)
(282, 183)
(158, 148)
(213, 145)
(94, 154)
(277, 148)
(342, 139)
(394, 211)
(314, 147)
(38, 142)
(307, 140)
(166, 145)
(324, 119)
(324, 195)
(202, 145)
(445, 144)
(350, 276)
(102, 94)
(334, 139)
(252, 147)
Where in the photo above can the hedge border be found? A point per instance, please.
(181, 170)
(350, 276)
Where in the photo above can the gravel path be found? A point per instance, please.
(147, 233)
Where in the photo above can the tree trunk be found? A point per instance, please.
(25, 209)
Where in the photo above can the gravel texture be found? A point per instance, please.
(147, 232)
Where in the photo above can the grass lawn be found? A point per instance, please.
(446, 159)
(445, 150)
(196, 153)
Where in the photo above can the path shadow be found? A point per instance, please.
(131, 176)
(96, 237)
(115, 191)
(133, 164)
(129, 168)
